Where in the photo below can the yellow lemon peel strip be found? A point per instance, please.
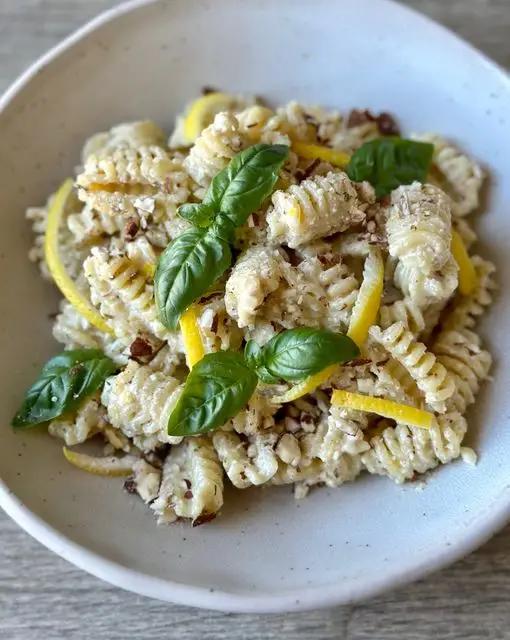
(202, 111)
(400, 412)
(56, 267)
(190, 330)
(319, 152)
(366, 307)
(467, 273)
(307, 386)
(109, 466)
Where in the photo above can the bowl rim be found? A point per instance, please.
(179, 593)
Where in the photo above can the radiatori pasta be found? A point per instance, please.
(298, 262)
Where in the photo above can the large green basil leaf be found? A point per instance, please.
(188, 267)
(298, 353)
(241, 187)
(388, 163)
(216, 389)
(64, 382)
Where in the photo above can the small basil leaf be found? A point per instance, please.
(216, 389)
(247, 181)
(188, 267)
(388, 163)
(253, 356)
(64, 382)
(200, 215)
(264, 375)
(298, 353)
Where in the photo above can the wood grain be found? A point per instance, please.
(43, 597)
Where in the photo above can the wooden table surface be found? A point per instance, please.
(42, 597)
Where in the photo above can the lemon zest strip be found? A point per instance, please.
(199, 112)
(109, 466)
(366, 307)
(306, 386)
(56, 267)
(193, 345)
(467, 272)
(402, 413)
(319, 152)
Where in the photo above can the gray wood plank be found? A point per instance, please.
(42, 596)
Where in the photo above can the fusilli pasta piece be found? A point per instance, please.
(468, 364)
(128, 134)
(256, 274)
(394, 382)
(139, 401)
(147, 183)
(216, 146)
(467, 309)
(419, 226)
(247, 462)
(146, 480)
(75, 332)
(124, 297)
(317, 207)
(191, 484)
(430, 376)
(89, 419)
(461, 176)
(260, 124)
(405, 311)
(401, 451)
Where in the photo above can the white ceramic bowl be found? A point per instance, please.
(266, 552)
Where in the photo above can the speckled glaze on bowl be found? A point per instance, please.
(266, 552)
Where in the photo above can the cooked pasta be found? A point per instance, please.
(298, 261)
(419, 235)
(460, 175)
(191, 483)
(430, 376)
(315, 208)
(217, 144)
(402, 451)
(139, 401)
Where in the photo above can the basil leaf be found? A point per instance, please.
(299, 353)
(241, 187)
(199, 214)
(389, 162)
(253, 355)
(216, 389)
(188, 267)
(64, 382)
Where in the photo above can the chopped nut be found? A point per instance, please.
(131, 229)
(205, 517)
(387, 125)
(140, 348)
(359, 116)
